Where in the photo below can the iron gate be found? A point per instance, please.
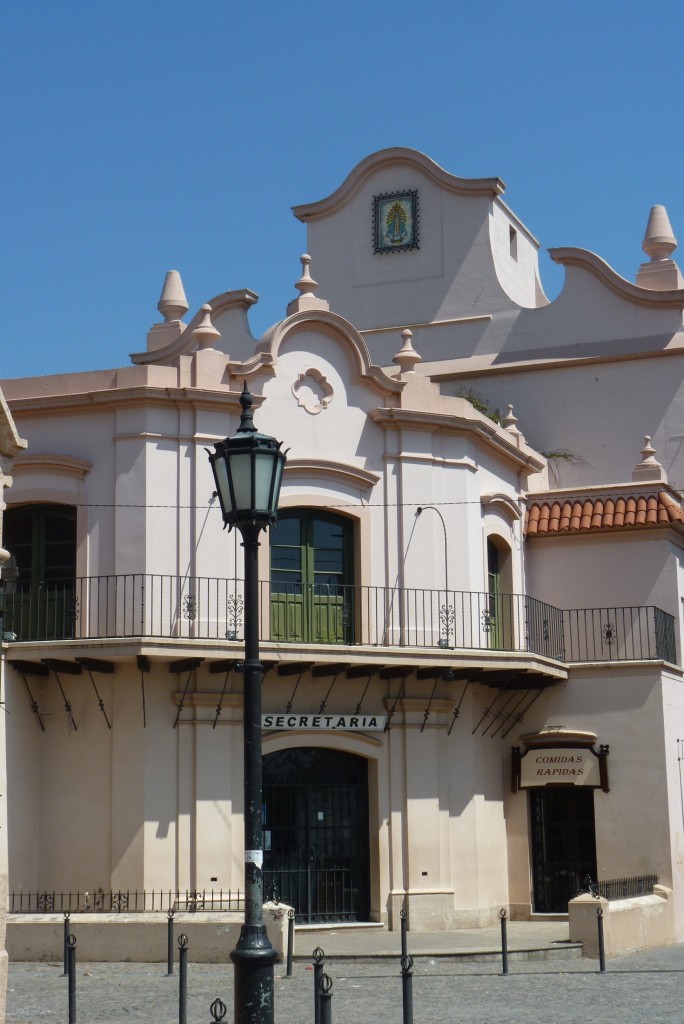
(563, 844)
(316, 846)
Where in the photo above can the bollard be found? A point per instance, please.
(169, 943)
(67, 916)
(601, 946)
(325, 999)
(182, 979)
(218, 1011)
(72, 978)
(404, 925)
(504, 942)
(407, 988)
(317, 955)
(290, 940)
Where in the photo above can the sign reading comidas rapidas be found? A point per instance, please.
(349, 723)
(573, 766)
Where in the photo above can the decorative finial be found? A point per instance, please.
(661, 273)
(649, 468)
(407, 357)
(510, 421)
(172, 302)
(246, 419)
(205, 334)
(659, 240)
(306, 286)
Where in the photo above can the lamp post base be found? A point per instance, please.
(254, 958)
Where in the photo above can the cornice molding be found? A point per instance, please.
(485, 431)
(337, 470)
(61, 465)
(504, 504)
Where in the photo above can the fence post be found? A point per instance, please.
(504, 942)
(317, 955)
(601, 946)
(182, 979)
(169, 943)
(67, 916)
(407, 988)
(325, 998)
(72, 978)
(404, 924)
(290, 940)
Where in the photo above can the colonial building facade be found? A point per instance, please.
(470, 608)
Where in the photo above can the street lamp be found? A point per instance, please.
(248, 470)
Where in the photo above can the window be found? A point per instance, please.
(311, 578)
(41, 604)
(513, 242)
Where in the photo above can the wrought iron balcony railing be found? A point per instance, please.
(619, 634)
(203, 608)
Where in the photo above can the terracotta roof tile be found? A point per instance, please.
(585, 514)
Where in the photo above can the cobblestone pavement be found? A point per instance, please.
(646, 988)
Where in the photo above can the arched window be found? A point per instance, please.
(42, 538)
(312, 597)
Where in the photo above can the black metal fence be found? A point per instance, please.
(205, 608)
(625, 888)
(619, 634)
(128, 902)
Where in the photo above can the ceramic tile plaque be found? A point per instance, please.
(395, 221)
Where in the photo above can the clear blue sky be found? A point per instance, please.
(143, 135)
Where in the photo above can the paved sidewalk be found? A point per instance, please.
(545, 936)
(641, 989)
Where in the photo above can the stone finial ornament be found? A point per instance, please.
(172, 302)
(661, 273)
(205, 334)
(649, 468)
(306, 286)
(659, 240)
(407, 357)
(510, 421)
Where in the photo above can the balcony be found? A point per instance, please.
(170, 607)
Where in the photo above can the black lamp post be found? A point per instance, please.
(248, 469)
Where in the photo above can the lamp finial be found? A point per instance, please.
(246, 419)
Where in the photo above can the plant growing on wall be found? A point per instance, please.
(481, 404)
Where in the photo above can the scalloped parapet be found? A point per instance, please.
(593, 264)
(386, 158)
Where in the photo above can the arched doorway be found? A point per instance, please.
(316, 842)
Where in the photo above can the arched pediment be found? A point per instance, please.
(333, 326)
(397, 156)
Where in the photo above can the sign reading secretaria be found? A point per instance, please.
(348, 723)
(577, 766)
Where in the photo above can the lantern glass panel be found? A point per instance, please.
(263, 471)
(277, 480)
(221, 474)
(241, 471)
